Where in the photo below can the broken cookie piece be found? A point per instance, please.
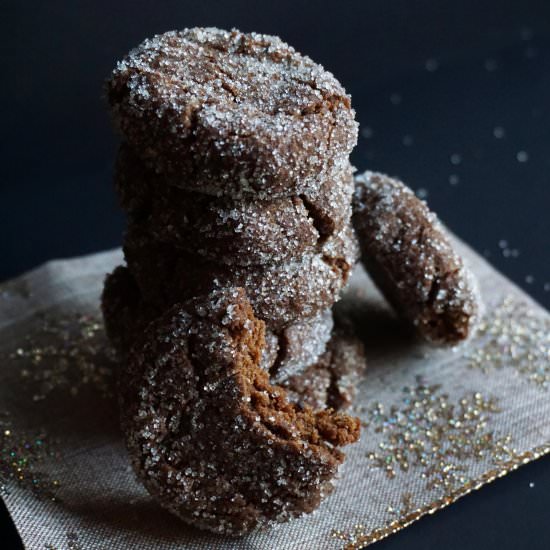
(210, 438)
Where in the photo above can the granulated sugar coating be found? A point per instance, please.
(227, 113)
(301, 344)
(208, 435)
(295, 357)
(242, 232)
(332, 380)
(406, 251)
(280, 293)
(235, 176)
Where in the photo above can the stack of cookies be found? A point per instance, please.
(234, 172)
(235, 176)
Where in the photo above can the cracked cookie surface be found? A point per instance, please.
(280, 293)
(211, 439)
(229, 113)
(248, 231)
(410, 257)
(317, 364)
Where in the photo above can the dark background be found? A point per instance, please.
(453, 97)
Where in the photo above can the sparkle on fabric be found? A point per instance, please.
(67, 353)
(20, 454)
(514, 336)
(359, 537)
(71, 540)
(435, 433)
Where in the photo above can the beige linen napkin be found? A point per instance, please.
(437, 423)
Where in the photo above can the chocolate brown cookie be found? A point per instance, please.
(315, 366)
(228, 113)
(280, 293)
(125, 315)
(299, 344)
(332, 380)
(209, 437)
(243, 232)
(285, 353)
(409, 256)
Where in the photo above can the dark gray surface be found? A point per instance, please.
(493, 70)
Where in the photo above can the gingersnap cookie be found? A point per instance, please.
(209, 437)
(409, 256)
(280, 293)
(332, 380)
(243, 232)
(285, 353)
(300, 344)
(315, 366)
(234, 114)
(125, 314)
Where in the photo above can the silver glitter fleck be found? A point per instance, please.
(491, 65)
(526, 34)
(454, 179)
(367, 132)
(422, 193)
(396, 98)
(432, 65)
(456, 159)
(499, 132)
(522, 156)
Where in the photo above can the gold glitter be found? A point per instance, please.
(435, 434)
(435, 437)
(72, 543)
(405, 507)
(359, 537)
(514, 336)
(20, 453)
(68, 352)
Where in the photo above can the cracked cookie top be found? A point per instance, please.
(280, 293)
(242, 232)
(410, 257)
(228, 113)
